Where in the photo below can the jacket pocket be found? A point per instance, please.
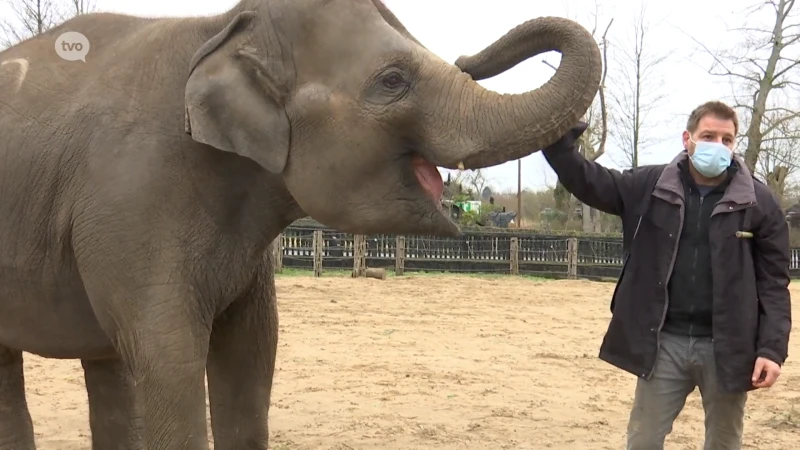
(662, 216)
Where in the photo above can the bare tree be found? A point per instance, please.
(82, 7)
(592, 143)
(473, 181)
(637, 91)
(779, 156)
(29, 18)
(763, 69)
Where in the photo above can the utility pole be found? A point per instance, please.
(519, 193)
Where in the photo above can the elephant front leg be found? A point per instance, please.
(164, 342)
(241, 362)
(16, 427)
(168, 367)
(113, 416)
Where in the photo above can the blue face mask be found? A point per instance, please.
(710, 158)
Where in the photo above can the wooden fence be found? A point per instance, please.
(317, 248)
(518, 253)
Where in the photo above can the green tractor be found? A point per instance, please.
(467, 210)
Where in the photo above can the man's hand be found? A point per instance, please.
(765, 373)
(567, 141)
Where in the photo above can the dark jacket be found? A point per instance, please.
(751, 309)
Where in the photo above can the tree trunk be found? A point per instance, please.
(586, 218)
(776, 180)
(597, 220)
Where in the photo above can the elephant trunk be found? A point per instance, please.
(495, 128)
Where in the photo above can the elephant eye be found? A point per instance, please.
(393, 80)
(389, 86)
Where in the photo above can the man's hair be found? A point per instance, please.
(714, 108)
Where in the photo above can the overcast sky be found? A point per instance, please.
(451, 28)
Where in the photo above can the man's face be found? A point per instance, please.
(711, 129)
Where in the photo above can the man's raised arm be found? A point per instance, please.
(591, 183)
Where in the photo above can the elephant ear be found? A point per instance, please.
(234, 102)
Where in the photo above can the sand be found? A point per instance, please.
(423, 362)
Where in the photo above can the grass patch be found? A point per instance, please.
(345, 273)
(327, 273)
(785, 420)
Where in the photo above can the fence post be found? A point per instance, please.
(277, 251)
(572, 258)
(317, 253)
(514, 256)
(359, 255)
(399, 255)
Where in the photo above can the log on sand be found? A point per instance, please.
(379, 274)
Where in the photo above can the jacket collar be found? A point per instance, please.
(740, 191)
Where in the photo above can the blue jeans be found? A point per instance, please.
(684, 363)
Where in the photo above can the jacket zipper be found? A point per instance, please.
(694, 259)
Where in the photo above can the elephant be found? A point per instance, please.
(143, 187)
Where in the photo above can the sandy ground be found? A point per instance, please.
(424, 362)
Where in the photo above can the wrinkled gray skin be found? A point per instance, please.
(143, 250)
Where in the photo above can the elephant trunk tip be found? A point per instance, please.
(508, 127)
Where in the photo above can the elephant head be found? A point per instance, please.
(336, 97)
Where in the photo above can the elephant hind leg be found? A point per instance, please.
(115, 420)
(16, 427)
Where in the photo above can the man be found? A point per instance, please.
(698, 304)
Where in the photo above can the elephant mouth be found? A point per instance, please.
(429, 178)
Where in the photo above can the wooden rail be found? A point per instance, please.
(514, 252)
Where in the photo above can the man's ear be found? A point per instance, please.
(234, 102)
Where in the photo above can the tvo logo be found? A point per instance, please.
(72, 46)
